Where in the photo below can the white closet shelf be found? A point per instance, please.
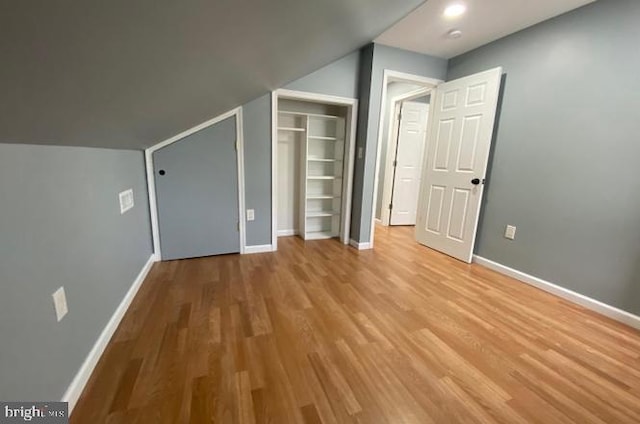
(323, 177)
(321, 158)
(321, 214)
(292, 129)
(312, 115)
(321, 197)
(312, 159)
(319, 137)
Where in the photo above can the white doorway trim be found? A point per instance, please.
(151, 179)
(387, 184)
(390, 76)
(351, 122)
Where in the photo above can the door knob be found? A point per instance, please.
(475, 181)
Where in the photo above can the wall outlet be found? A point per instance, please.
(510, 232)
(126, 200)
(251, 215)
(60, 303)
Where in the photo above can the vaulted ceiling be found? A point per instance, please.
(131, 73)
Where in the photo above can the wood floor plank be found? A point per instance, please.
(319, 332)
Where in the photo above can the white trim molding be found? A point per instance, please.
(242, 219)
(260, 248)
(360, 246)
(286, 233)
(274, 170)
(390, 76)
(580, 299)
(350, 149)
(151, 179)
(84, 373)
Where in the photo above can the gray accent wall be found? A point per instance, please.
(391, 58)
(60, 225)
(565, 160)
(364, 105)
(256, 117)
(340, 78)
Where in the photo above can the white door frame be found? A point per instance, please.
(151, 179)
(392, 137)
(390, 76)
(350, 146)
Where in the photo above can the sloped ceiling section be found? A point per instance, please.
(128, 74)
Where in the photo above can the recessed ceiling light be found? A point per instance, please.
(454, 33)
(454, 10)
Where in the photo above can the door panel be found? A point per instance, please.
(198, 194)
(408, 169)
(434, 209)
(457, 151)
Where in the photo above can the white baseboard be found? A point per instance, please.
(261, 248)
(589, 303)
(285, 233)
(80, 380)
(378, 220)
(360, 246)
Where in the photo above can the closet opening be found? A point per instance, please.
(313, 165)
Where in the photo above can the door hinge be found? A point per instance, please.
(238, 226)
(390, 206)
(235, 146)
(400, 116)
(395, 163)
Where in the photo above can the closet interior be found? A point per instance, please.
(311, 166)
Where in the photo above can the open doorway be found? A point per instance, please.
(401, 145)
(455, 158)
(400, 186)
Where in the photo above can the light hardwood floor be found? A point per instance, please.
(322, 333)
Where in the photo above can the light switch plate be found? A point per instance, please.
(60, 303)
(126, 200)
(251, 215)
(510, 232)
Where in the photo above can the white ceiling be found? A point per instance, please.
(425, 29)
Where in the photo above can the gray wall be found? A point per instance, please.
(339, 78)
(565, 164)
(364, 105)
(383, 58)
(60, 225)
(256, 117)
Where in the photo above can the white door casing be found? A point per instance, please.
(458, 143)
(408, 163)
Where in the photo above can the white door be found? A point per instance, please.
(458, 142)
(408, 163)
